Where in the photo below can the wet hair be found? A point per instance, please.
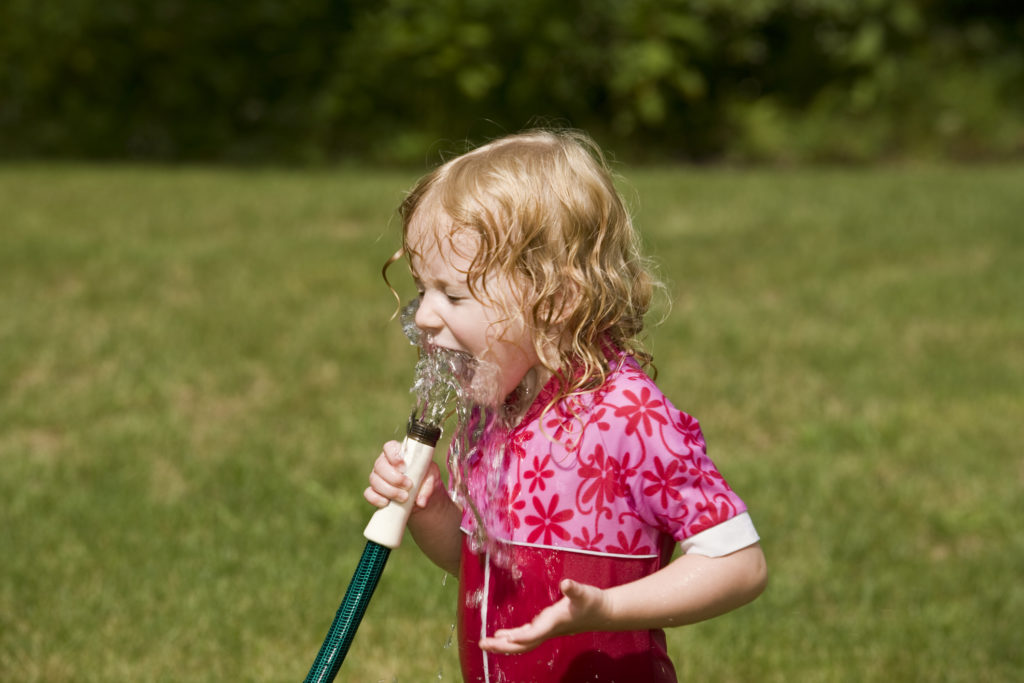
(546, 216)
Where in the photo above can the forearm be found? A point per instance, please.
(436, 532)
(690, 589)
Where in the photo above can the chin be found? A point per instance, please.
(486, 387)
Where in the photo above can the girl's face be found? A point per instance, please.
(453, 318)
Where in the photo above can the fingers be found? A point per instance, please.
(528, 636)
(430, 482)
(572, 590)
(581, 609)
(510, 641)
(388, 480)
(392, 452)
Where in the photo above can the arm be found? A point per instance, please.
(690, 589)
(434, 524)
(435, 518)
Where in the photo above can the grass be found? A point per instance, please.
(197, 368)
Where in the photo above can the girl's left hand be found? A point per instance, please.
(583, 608)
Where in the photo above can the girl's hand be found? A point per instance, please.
(388, 480)
(689, 589)
(434, 520)
(583, 608)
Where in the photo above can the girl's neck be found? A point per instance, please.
(520, 400)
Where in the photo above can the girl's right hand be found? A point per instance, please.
(388, 480)
(434, 519)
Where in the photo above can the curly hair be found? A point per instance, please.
(546, 216)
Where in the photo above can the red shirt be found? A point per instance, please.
(598, 489)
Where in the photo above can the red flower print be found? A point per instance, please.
(690, 429)
(599, 420)
(602, 479)
(563, 428)
(548, 522)
(556, 428)
(539, 473)
(632, 373)
(517, 505)
(585, 541)
(712, 515)
(516, 445)
(709, 477)
(664, 481)
(643, 409)
(630, 546)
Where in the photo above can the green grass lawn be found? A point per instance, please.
(197, 368)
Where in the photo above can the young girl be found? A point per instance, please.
(525, 258)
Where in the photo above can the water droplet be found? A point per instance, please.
(474, 599)
(451, 636)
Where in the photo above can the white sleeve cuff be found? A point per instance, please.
(728, 537)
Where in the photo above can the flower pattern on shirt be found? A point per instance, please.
(517, 506)
(612, 471)
(548, 521)
(642, 409)
(602, 483)
(517, 444)
(539, 473)
(630, 546)
(585, 542)
(664, 482)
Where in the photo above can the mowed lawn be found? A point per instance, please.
(197, 368)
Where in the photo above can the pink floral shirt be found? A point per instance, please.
(611, 472)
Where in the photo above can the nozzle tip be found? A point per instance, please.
(424, 432)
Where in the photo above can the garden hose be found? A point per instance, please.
(383, 534)
(350, 613)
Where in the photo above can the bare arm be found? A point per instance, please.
(690, 589)
(435, 518)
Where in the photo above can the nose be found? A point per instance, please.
(427, 319)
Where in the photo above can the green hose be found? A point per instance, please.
(350, 613)
(383, 533)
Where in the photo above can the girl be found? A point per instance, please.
(525, 257)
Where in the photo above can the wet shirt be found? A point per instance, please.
(609, 472)
(598, 488)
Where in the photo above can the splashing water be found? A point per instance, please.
(451, 638)
(446, 379)
(441, 376)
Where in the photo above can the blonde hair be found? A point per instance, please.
(547, 217)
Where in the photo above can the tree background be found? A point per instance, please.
(335, 80)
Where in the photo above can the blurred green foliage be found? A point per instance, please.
(315, 80)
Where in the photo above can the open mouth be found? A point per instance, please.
(445, 375)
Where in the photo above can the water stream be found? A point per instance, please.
(450, 383)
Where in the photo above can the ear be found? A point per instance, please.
(564, 302)
(563, 305)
